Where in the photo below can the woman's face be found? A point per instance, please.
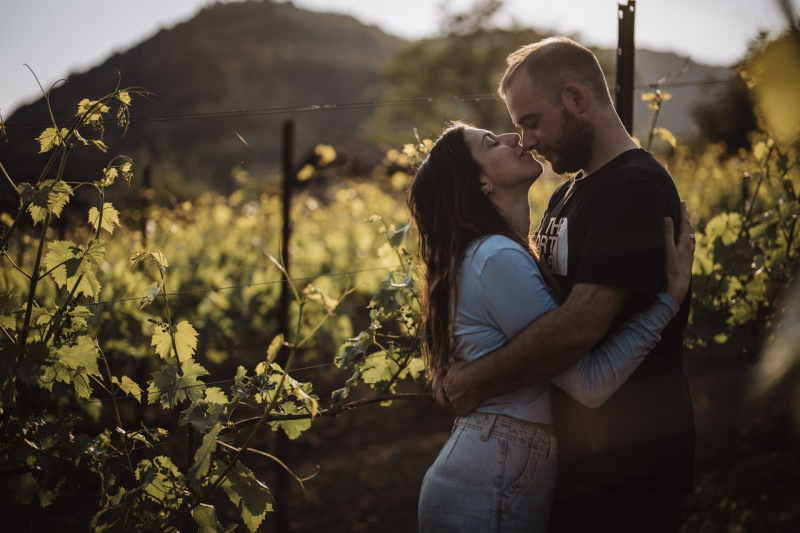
(506, 166)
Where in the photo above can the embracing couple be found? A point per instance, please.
(560, 352)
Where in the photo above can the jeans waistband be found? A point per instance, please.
(503, 426)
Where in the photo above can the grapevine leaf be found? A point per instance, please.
(90, 110)
(204, 414)
(292, 428)
(109, 176)
(397, 237)
(248, 494)
(185, 341)
(216, 395)
(68, 261)
(168, 482)
(50, 196)
(127, 171)
(378, 368)
(202, 457)
(50, 138)
(124, 97)
(9, 305)
(274, 348)
(150, 294)
(128, 386)
(205, 516)
(81, 355)
(169, 388)
(110, 217)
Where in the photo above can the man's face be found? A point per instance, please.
(548, 127)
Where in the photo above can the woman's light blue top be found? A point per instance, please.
(501, 290)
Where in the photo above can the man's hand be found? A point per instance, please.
(461, 396)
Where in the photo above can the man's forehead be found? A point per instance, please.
(523, 97)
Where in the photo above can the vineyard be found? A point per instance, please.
(149, 380)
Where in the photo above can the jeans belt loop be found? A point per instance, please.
(487, 430)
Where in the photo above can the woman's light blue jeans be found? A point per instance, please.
(495, 473)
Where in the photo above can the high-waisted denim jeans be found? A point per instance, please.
(495, 473)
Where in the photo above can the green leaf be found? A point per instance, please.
(49, 197)
(185, 341)
(378, 368)
(81, 355)
(68, 262)
(216, 395)
(205, 516)
(9, 306)
(110, 217)
(248, 494)
(292, 428)
(150, 294)
(274, 348)
(169, 388)
(50, 138)
(128, 386)
(91, 110)
(202, 457)
(203, 415)
(397, 238)
(167, 486)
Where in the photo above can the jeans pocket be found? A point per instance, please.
(529, 475)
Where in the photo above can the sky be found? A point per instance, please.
(58, 37)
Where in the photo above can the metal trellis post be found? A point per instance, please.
(625, 65)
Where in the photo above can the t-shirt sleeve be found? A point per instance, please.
(513, 291)
(595, 377)
(624, 247)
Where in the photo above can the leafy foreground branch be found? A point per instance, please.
(54, 364)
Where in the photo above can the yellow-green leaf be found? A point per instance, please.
(109, 220)
(50, 138)
(128, 386)
(274, 348)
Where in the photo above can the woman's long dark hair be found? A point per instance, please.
(450, 211)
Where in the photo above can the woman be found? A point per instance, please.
(469, 200)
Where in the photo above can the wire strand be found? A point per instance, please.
(349, 105)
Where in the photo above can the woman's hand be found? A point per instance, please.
(679, 257)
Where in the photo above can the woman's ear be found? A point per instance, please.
(487, 187)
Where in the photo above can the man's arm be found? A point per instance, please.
(540, 351)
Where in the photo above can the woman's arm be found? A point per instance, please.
(594, 378)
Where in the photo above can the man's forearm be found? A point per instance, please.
(536, 354)
(545, 347)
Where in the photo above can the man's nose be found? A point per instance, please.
(529, 141)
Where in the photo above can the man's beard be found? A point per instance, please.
(574, 144)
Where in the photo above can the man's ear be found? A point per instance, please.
(575, 97)
(487, 187)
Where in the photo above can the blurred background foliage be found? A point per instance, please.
(212, 204)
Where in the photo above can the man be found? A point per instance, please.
(628, 465)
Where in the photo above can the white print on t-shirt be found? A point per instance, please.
(553, 243)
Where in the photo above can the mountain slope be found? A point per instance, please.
(255, 55)
(267, 59)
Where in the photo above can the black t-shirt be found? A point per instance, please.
(607, 229)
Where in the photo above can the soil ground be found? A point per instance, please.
(372, 460)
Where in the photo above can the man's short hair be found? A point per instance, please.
(552, 63)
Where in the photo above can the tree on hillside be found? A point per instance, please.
(467, 59)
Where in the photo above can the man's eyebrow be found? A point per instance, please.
(524, 118)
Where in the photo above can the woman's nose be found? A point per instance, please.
(511, 139)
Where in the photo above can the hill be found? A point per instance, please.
(226, 80)
(256, 56)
